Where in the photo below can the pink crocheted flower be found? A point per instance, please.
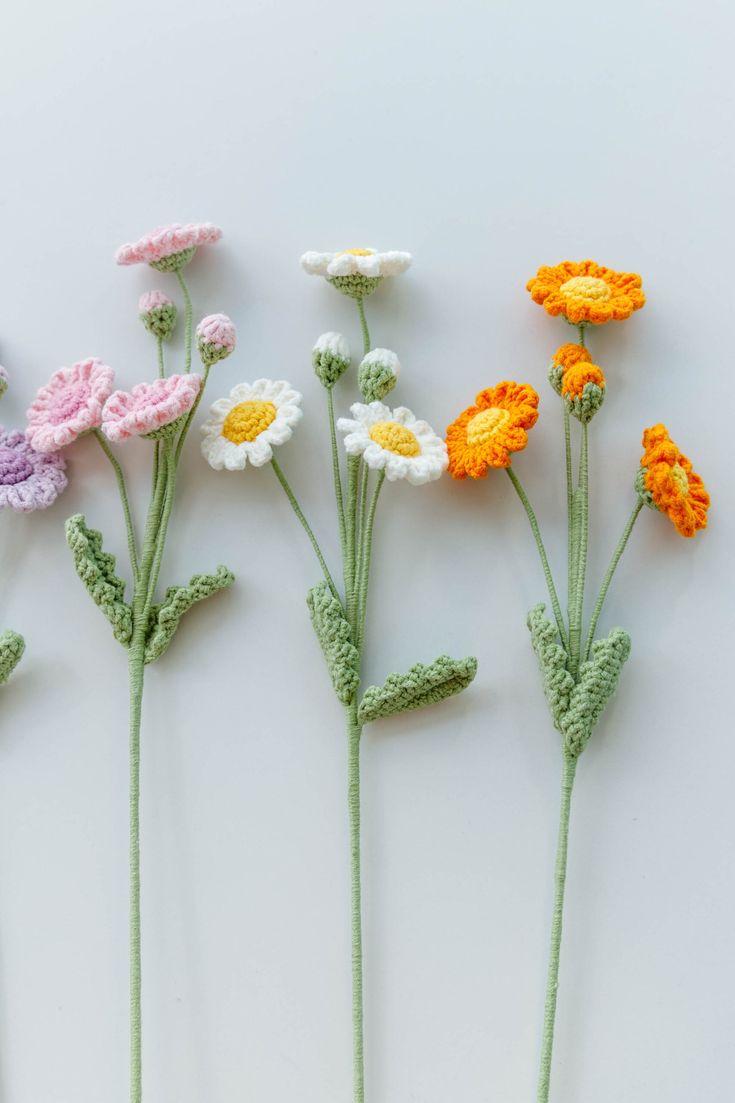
(28, 479)
(215, 338)
(151, 299)
(70, 404)
(149, 406)
(169, 248)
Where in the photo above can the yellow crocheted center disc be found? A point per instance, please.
(395, 438)
(588, 288)
(248, 420)
(355, 253)
(485, 425)
(679, 475)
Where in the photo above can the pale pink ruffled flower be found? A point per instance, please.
(151, 299)
(169, 246)
(70, 404)
(215, 337)
(149, 406)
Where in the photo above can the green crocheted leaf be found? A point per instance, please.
(419, 686)
(12, 646)
(96, 568)
(558, 682)
(335, 636)
(598, 679)
(164, 617)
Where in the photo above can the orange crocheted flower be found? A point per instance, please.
(566, 356)
(485, 434)
(584, 291)
(668, 483)
(576, 378)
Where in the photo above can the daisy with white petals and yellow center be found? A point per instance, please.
(395, 442)
(355, 272)
(245, 426)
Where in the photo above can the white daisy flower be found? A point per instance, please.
(245, 426)
(356, 272)
(394, 441)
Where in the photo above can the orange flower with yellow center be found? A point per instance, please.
(584, 291)
(667, 482)
(486, 434)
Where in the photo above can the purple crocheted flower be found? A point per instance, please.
(28, 479)
(169, 248)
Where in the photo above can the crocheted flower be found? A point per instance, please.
(355, 272)
(70, 404)
(157, 313)
(150, 409)
(246, 425)
(28, 479)
(215, 338)
(169, 248)
(566, 357)
(586, 292)
(583, 390)
(667, 482)
(330, 357)
(3, 381)
(394, 442)
(378, 374)
(486, 434)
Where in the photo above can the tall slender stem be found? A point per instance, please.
(363, 326)
(305, 524)
(542, 553)
(365, 557)
(350, 563)
(159, 349)
(581, 528)
(120, 477)
(608, 578)
(187, 319)
(168, 502)
(570, 510)
(560, 875)
(354, 733)
(336, 470)
(192, 412)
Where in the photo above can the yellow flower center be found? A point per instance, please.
(588, 288)
(248, 420)
(485, 425)
(679, 475)
(355, 253)
(395, 438)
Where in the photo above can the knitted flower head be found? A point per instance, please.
(394, 441)
(485, 435)
(246, 426)
(28, 479)
(355, 272)
(215, 338)
(158, 314)
(378, 374)
(586, 293)
(150, 409)
(330, 358)
(169, 248)
(69, 404)
(667, 482)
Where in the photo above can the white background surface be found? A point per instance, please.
(486, 139)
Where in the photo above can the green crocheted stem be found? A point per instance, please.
(336, 470)
(304, 524)
(354, 733)
(541, 550)
(135, 670)
(622, 543)
(570, 507)
(188, 314)
(560, 875)
(122, 489)
(580, 536)
(350, 562)
(192, 413)
(161, 365)
(363, 574)
(363, 326)
(12, 646)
